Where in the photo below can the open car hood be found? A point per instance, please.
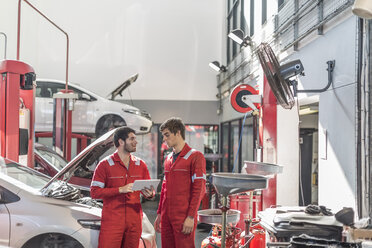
(119, 90)
(90, 154)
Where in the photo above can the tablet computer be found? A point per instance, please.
(142, 184)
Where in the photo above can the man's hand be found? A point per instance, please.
(126, 189)
(157, 223)
(148, 193)
(188, 225)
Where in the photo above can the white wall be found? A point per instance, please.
(337, 171)
(168, 42)
(191, 112)
(287, 156)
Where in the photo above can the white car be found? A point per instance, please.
(92, 114)
(37, 211)
(29, 219)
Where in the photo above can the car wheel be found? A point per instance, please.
(108, 123)
(53, 240)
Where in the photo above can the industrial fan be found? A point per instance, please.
(279, 76)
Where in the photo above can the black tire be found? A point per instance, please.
(107, 123)
(53, 240)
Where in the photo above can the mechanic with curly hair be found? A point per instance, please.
(121, 222)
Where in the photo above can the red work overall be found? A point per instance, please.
(182, 190)
(121, 222)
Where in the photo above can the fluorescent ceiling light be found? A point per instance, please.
(309, 110)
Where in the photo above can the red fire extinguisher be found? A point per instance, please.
(258, 233)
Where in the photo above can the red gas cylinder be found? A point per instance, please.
(242, 202)
(258, 240)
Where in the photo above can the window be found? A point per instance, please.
(264, 12)
(79, 92)
(7, 196)
(234, 143)
(43, 92)
(225, 147)
(47, 89)
(235, 20)
(251, 19)
(247, 143)
(230, 144)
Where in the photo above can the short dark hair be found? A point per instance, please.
(174, 125)
(122, 133)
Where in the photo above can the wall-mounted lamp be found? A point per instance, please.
(237, 35)
(363, 9)
(215, 65)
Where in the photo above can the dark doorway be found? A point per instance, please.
(306, 174)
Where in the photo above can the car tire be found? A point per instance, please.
(107, 123)
(53, 240)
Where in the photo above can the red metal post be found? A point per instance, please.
(13, 74)
(2, 114)
(269, 137)
(82, 142)
(10, 113)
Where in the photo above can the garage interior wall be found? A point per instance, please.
(168, 43)
(337, 168)
(193, 112)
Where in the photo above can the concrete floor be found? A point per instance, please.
(150, 208)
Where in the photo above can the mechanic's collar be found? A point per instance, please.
(116, 158)
(185, 150)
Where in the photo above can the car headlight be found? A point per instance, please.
(138, 112)
(132, 111)
(91, 224)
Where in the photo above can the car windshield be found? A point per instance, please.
(23, 174)
(53, 158)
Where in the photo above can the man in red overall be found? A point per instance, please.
(121, 222)
(182, 189)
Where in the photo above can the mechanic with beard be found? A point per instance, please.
(182, 189)
(121, 222)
